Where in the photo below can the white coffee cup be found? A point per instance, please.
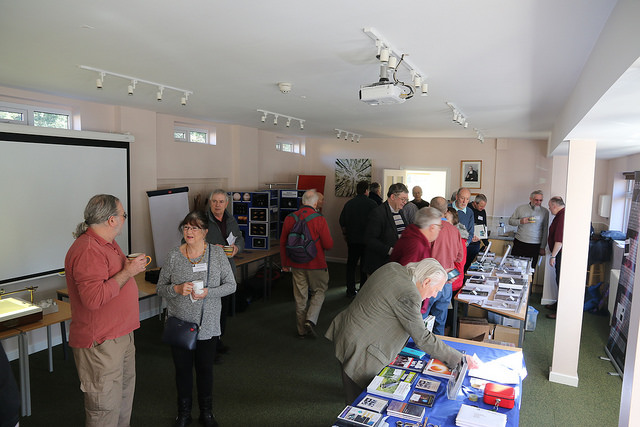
(198, 286)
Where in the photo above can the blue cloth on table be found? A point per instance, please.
(444, 411)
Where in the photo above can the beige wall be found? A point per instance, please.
(245, 159)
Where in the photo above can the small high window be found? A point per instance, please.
(35, 116)
(199, 136)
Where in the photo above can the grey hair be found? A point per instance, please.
(428, 268)
(219, 191)
(557, 200)
(310, 197)
(426, 217)
(440, 204)
(480, 198)
(99, 209)
(533, 193)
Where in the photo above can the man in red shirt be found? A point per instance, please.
(312, 277)
(554, 240)
(414, 244)
(448, 250)
(104, 306)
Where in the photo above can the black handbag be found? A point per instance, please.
(180, 333)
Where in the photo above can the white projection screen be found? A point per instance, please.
(45, 183)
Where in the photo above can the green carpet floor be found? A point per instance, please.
(273, 378)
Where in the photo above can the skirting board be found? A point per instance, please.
(563, 379)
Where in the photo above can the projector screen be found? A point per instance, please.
(45, 183)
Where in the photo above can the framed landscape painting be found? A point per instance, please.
(471, 173)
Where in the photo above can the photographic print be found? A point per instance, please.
(471, 173)
(348, 173)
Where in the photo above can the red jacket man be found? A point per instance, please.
(310, 278)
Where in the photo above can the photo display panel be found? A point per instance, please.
(45, 184)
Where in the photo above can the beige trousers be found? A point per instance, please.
(107, 375)
(309, 287)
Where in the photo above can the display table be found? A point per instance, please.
(247, 257)
(444, 411)
(63, 314)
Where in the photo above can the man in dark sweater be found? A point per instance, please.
(353, 221)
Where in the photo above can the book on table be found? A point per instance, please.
(406, 410)
(392, 383)
(427, 385)
(406, 362)
(412, 352)
(472, 416)
(437, 369)
(352, 416)
(373, 403)
(420, 397)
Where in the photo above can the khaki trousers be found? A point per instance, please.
(313, 283)
(107, 375)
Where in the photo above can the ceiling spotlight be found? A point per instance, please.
(417, 81)
(289, 122)
(263, 118)
(425, 89)
(338, 135)
(384, 55)
(159, 94)
(358, 139)
(131, 87)
(346, 136)
(352, 137)
(184, 99)
(393, 62)
(275, 119)
(301, 124)
(99, 81)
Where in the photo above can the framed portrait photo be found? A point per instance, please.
(471, 173)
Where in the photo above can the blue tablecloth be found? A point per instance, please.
(444, 411)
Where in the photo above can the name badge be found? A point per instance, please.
(200, 267)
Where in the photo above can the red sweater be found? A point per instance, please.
(412, 246)
(100, 309)
(319, 231)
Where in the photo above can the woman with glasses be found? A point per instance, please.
(194, 261)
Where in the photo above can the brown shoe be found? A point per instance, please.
(551, 316)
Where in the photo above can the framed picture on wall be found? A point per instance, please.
(471, 173)
(348, 173)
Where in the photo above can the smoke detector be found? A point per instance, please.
(284, 87)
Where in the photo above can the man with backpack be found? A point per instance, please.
(304, 238)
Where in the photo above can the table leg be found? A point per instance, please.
(454, 327)
(63, 334)
(521, 333)
(264, 279)
(49, 348)
(25, 388)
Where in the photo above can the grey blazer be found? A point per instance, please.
(370, 333)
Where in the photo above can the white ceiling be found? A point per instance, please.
(509, 66)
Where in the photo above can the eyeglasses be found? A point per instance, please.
(537, 200)
(404, 200)
(190, 228)
(123, 215)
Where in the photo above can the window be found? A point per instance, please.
(628, 198)
(198, 136)
(288, 146)
(35, 116)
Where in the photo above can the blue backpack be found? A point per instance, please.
(300, 247)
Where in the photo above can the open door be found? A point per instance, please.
(392, 176)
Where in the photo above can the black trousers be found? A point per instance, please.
(531, 250)
(558, 260)
(202, 359)
(356, 252)
(472, 252)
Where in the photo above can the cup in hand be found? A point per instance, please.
(198, 286)
(137, 254)
(228, 250)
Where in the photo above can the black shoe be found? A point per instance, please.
(308, 327)
(206, 416)
(184, 413)
(351, 294)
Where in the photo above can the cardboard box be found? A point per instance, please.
(506, 334)
(473, 328)
(473, 311)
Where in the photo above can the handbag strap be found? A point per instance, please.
(206, 282)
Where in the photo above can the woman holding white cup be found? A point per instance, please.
(188, 267)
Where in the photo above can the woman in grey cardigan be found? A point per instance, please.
(194, 261)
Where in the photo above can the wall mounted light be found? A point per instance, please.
(134, 81)
(266, 113)
(355, 137)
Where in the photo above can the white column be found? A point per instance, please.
(630, 397)
(575, 251)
